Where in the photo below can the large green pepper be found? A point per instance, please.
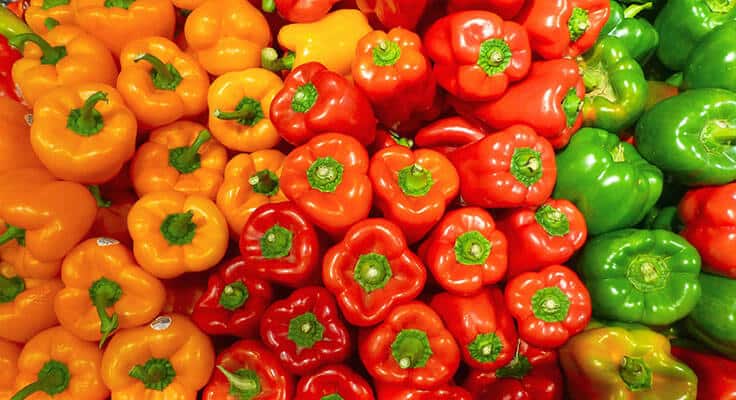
(692, 136)
(616, 89)
(637, 34)
(682, 24)
(607, 180)
(713, 320)
(645, 276)
(713, 63)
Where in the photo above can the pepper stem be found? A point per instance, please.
(494, 56)
(635, 373)
(634, 9)
(517, 368)
(124, 4)
(571, 105)
(164, 76)
(49, 4)
(248, 112)
(578, 23)
(50, 23)
(270, 60)
(720, 132)
(372, 271)
(325, 174)
(186, 159)
(411, 349)
(552, 220)
(86, 121)
(105, 293)
(332, 396)
(156, 373)
(101, 202)
(415, 181)
(10, 288)
(276, 242)
(402, 141)
(264, 182)
(305, 330)
(51, 54)
(618, 154)
(234, 295)
(721, 6)
(472, 248)
(305, 97)
(268, 6)
(13, 233)
(52, 379)
(386, 54)
(245, 384)
(485, 347)
(648, 273)
(526, 166)
(550, 304)
(178, 229)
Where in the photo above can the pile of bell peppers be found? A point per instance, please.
(368, 199)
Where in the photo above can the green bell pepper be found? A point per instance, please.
(11, 25)
(713, 320)
(637, 34)
(692, 136)
(713, 62)
(682, 24)
(607, 180)
(645, 276)
(616, 89)
(662, 218)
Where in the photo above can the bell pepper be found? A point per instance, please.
(181, 156)
(237, 42)
(411, 348)
(372, 271)
(111, 220)
(56, 364)
(303, 10)
(662, 218)
(614, 362)
(506, 9)
(117, 22)
(402, 392)
(251, 180)
(542, 236)
(690, 136)
(9, 353)
(715, 374)
(44, 15)
(711, 64)
(337, 381)
(549, 101)
(637, 35)
(477, 55)
(305, 331)
(447, 134)
(105, 290)
(550, 306)
(280, 245)
(16, 143)
(160, 83)
(327, 179)
(11, 24)
(46, 216)
(22, 262)
(511, 168)
(316, 100)
(83, 133)
(174, 233)
(234, 301)
(65, 56)
(641, 276)
(248, 370)
(173, 359)
(465, 252)
(594, 169)
(659, 91)
(395, 13)
(387, 138)
(559, 28)
(711, 322)
(8, 56)
(183, 293)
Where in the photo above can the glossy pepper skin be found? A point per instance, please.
(247, 369)
(594, 168)
(477, 55)
(715, 380)
(402, 392)
(333, 380)
(689, 136)
(304, 10)
(183, 293)
(9, 353)
(26, 304)
(372, 271)
(8, 56)
(280, 245)
(44, 15)
(327, 179)
(465, 251)
(173, 359)
(174, 233)
(542, 236)
(511, 168)
(549, 101)
(315, 100)
(395, 13)
(22, 262)
(16, 143)
(641, 276)
(506, 9)
(637, 35)
(233, 302)
(633, 363)
(83, 133)
(447, 134)
(710, 64)
(387, 138)
(714, 329)
(181, 156)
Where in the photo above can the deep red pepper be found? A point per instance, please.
(279, 244)
(506, 9)
(334, 380)
(394, 13)
(234, 301)
(716, 379)
(183, 292)
(401, 392)
(301, 11)
(8, 56)
(112, 214)
(447, 134)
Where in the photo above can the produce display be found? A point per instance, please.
(367, 199)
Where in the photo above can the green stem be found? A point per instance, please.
(485, 348)
(270, 60)
(247, 112)
(164, 76)
(49, 4)
(372, 271)
(472, 248)
(50, 23)
(386, 54)
(186, 159)
(156, 373)
(618, 154)
(264, 182)
(51, 54)
(325, 174)
(402, 141)
(52, 379)
(550, 304)
(276, 242)
(721, 6)
(578, 23)
(10, 288)
(411, 349)
(721, 132)
(268, 6)
(635, 373)
(634, 9)
(552, 220)
(245, 384)
(415, 181)
(332, 396)
(101, 202)
(571, 105)
(494, 56)
(178, 229)
(86, 121)
(305, 330)
(305, 97)
(124, 4)
(648, 273)
(105, 293)
(517, 368)
(234, 295)
(13, 233)
(526, 166)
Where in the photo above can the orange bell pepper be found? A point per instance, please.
(182, 157)
(240, 107)
(105, 289)
(57, 365)
(9, 353)
(160, 83)
(22, 261)
(187, 4)
(65, 56)
(251, 180)
(174, 233)
(170, 359)
(112, 215)
(117, 22)
(83, 133)
(227, 35)
(15, 145)
(44, 15)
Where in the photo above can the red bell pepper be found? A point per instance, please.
(482, 326)
(316, 100)
(716, 379)
(411, 347)
(112, 214)
(279, 244)
(394, 13)
(183, 292)
(542, 236)
(447, 134)
(371, 271)
(549, 100)
(412, 188)
(511, 168)
(334, 382)
(386, 138)
(563, 28)
(234, 301)
(506, 9)
(305, 331)
(550, 306)
(8, 56)
(476, 54)
(533, 374)
(465, 252)
(248, 370)
(401, 392)
(327, 179)
(301, 11)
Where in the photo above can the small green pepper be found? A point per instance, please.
(713, 320)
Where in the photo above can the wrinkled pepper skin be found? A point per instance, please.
(715, 374)
(403, 392)
(395, 13)
(506, 9)
(711, 63)
(9, 353)
(614, 362)
(26, 305)
(304, 10)
(641, 276)
(594, 169)
(711, 322)
(16, 143)
(333, 380)
(690, 136)
(636, 34)
(39, 11)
